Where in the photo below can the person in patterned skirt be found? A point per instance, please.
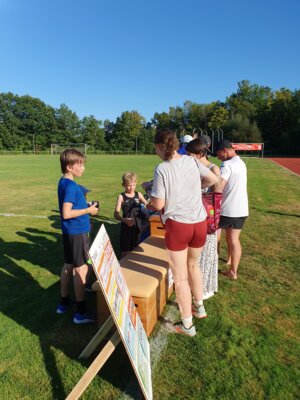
(209, 257)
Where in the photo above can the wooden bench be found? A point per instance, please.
(147, 273)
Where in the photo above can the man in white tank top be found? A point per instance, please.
(234, 209)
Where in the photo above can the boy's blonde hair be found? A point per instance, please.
(70, 157)
(128, 177)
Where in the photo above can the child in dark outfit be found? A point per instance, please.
(129, 202)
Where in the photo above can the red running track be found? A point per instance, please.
(293, 164)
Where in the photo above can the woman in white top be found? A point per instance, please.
(177, 193)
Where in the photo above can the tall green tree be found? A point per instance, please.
(28, 120)
(178, 119)
(145, 142)
(10, 123)
(162, 120)
(6, 139)
(93, 133)
(36, 122)
(68, 125)
(294, 131)
(282, 130)
(218, 118)
(198, 116)
(108, 130)
(249, 100)
(241, 129)
(247, 114)
(126, 131)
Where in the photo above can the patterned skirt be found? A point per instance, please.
(209, 266)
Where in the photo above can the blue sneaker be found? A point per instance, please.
(62, 308)
(83, 318)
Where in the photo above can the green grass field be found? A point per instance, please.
(248, 347)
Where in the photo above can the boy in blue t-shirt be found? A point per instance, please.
(75, 223)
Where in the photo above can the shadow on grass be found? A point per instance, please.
(112, 227)
(29, 297)
(275, 212)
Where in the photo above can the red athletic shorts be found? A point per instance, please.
(179, 236)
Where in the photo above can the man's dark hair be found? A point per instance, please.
(224, 144)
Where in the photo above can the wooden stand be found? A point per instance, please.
(99, 361)
(147, 274)
(127, 323)
(156, 226)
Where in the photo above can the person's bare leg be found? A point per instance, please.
(228, 262)
(236, 251)
(219, 234)
(79, 278)
(194, 273)
(65, 278)
(178, 263)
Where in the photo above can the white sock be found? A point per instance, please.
(198, 303)
(187, 322)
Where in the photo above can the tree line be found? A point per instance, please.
(252, 114)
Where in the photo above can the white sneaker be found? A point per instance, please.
(199, 312)
(178, 327)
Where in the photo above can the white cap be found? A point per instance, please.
(186, 139)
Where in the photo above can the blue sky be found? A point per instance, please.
(104, 57)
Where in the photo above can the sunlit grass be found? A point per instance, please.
(247, 348)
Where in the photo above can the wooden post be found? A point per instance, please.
(95, 367)
(105, 328)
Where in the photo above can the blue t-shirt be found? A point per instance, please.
(69, 192)
(181, 149)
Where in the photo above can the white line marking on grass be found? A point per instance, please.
(159, 341)
(23, 216)
(53, 217)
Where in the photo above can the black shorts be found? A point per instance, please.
(231, 222)
(76, 249)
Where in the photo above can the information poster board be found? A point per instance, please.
(123, 310)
